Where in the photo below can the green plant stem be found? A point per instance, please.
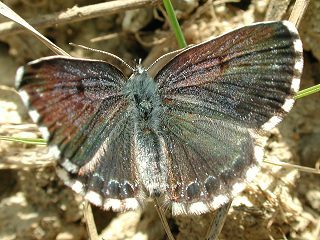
(174, 23)
(307, 91)
(36, 141)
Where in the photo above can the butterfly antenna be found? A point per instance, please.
(163, 219)
(167, 55)
(103, 52)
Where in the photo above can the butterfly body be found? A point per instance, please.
(146, 110)
(187, 134)
(142, 92)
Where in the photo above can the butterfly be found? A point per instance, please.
(186, 134)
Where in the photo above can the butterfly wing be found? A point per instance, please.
(209, 159)
(248, 75)
(217, 95)
(80, 110)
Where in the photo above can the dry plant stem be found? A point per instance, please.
(163, 219)
(19, 21)
(276, 10)
(107, 37)
(217, 223)
(91, 226)
(293, 166)
(78, 14)
(317, 232)
(298, 11)
(26, 165)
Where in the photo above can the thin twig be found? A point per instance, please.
(276, 10)
(293, 166)
(19, 21)
(163, 219)
(298, 11)
(317, 232)
(91, 226)
(26, 164)
(77, 14)
(218, 220)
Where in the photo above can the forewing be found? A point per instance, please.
(79, 107)
(247, 76)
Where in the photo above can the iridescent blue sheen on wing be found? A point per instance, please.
(244, 76)
(211, 153)
(81, 105)
(217, 95)
(74, 99)
(187, 135)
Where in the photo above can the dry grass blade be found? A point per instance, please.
(276, 10)
(78, 14)
(7, 12)
(217, 223)
(91, 226)
(298, 11)
(293, 166)
(163, 219)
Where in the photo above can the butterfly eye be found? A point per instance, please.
(136, 98)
